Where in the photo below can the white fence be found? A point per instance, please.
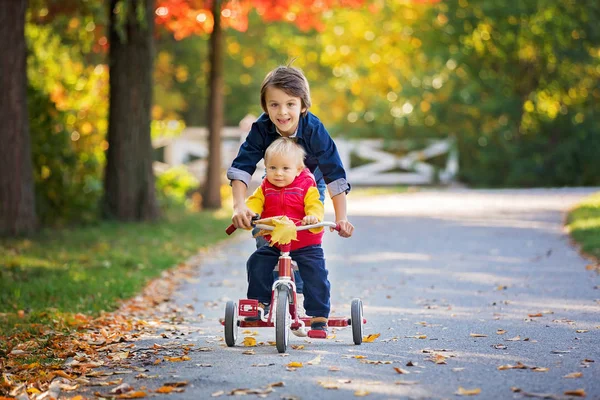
(379, 168)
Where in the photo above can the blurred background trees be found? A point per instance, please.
(517, 85)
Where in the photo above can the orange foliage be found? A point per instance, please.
(185, 18)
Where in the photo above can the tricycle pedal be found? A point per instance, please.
(248, 308)
(317, 334)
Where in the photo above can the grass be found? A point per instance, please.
(362, 191)
(583, 223)
(89, 270)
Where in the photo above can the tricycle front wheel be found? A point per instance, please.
(281, 320)
(356, 320)
(231, 323)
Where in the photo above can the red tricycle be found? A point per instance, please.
(283, 313)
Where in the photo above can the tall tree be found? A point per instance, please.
(129, 178)
(207, 16)
(17, 198)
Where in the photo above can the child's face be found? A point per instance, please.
(284, 110)
(281, 170)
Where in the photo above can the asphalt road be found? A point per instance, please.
(457, 283)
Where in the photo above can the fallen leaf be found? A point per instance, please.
(334, 369)
(576, 393)
(406, 382)
(329, 385)
(295, 364)
(249, 341)
(315, 361)
(177, 359)
(250, 352)
(536, 315)
(217, 394)
(540, 369)
(467, 392)
(401, 371)
(477, 335)
(582, 330)
(132, 395)
(297, 346)
(500, 332)
(574, 375)
(515, 339)
(371, 338)
(361, 393)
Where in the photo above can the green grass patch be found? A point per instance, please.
(361, 191)
(88, 270)
(583, 223)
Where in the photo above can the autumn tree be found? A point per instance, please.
(17, 199)
(129, 179)
(197, 17)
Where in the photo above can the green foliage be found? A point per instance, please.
(65, 190)
(174, 187)
(90, 269)
(583, 223)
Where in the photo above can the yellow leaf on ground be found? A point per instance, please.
(573, 375)
(132, 395)
(360, 357)
(249, 341)
(371, 338)
(361, 393)
(467, 392)
(164, 389)
(295, 364)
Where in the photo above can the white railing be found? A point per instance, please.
(380, 167)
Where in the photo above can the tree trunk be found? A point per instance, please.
(17, 196)
(129, 186)
(212, 189)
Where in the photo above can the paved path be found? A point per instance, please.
(434, 269)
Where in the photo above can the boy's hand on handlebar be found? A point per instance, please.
(309, 220)
(242, 217)
(346, 228)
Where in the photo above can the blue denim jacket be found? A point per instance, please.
(322, 157)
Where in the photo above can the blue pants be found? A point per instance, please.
(260, 241)
(311, 264)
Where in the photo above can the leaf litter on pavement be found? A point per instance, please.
(93, 352)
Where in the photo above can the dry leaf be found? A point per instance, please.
(361, 393)
(371, 338)
(540, 369)
(467, 392)
(217, 394)
(132, 395)
(249, 341)
(315, 361)
(576, 393)
(295, 364)
(515, 339)
(401, 371)
(334, 369)
(574, 375)
(582, 330)
(297, 346)
(359, 357)
(177, 359)
(500, 332)
(477, 335)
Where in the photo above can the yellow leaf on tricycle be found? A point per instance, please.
(284, 230)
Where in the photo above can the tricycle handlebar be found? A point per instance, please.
(231, 228)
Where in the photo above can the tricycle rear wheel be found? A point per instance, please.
(281, 319)
(356, 319)
(231, 323)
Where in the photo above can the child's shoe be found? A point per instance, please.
(318, 324)
(261, 306)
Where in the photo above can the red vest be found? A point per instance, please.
(289, 201)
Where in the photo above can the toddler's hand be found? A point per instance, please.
(242, 217)
(346, 228)
(309, 220)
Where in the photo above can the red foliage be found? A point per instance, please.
(184, 18)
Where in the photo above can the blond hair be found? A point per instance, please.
(288, 148)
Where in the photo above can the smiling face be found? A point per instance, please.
(282, 169)
(284, 110)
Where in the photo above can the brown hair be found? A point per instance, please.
(286, 147)
(289, 79)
